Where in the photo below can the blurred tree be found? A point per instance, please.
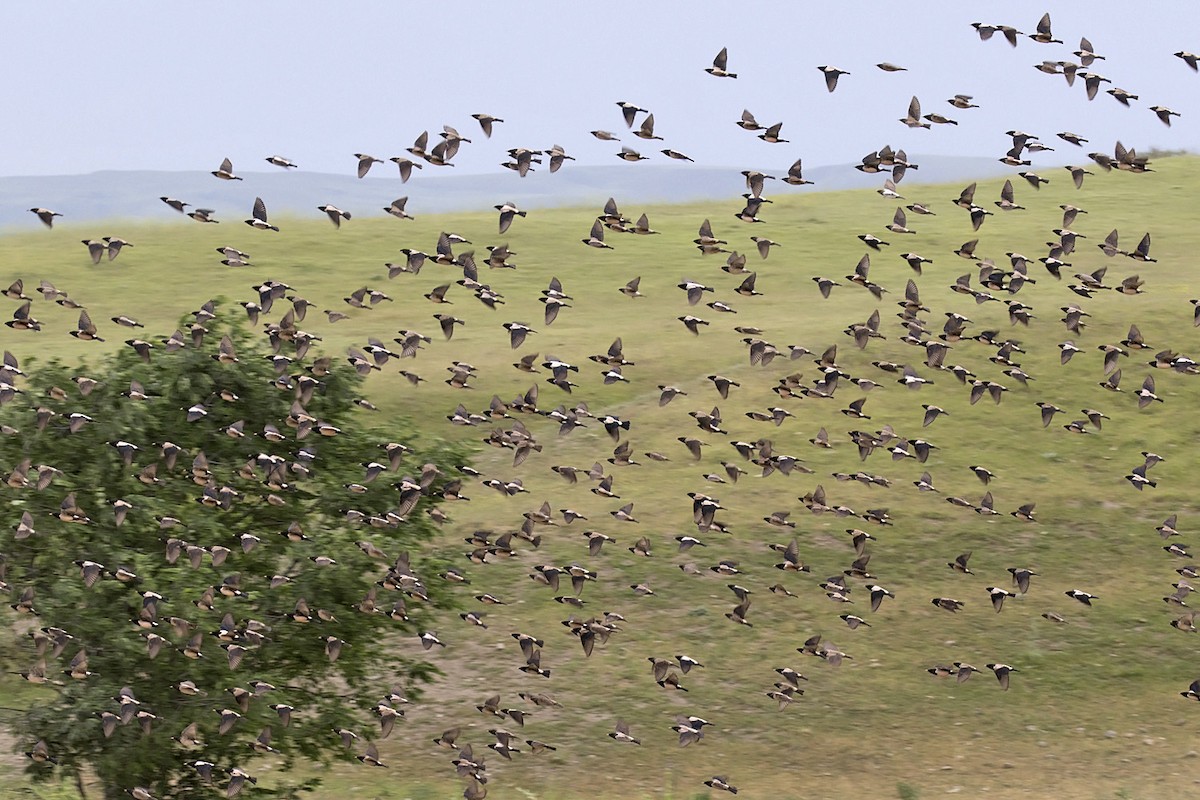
(206, 556)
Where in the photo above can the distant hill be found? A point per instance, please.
(134, 195)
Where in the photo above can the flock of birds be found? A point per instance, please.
(935, 350)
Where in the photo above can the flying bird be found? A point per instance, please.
(258, 218)
(225, 171)
(719, 65)
(508, 212)
(45, 215)
(365, 162)
(831, 76)
(335, 214)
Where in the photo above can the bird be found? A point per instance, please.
(791, 558)
(335, 214)
(913, 118)
(1164, 114)
(771, 134)
(719, 64)
(517, 332)
(1086, 53)
(948, 604)
(620, 733)
(899, 223)
(1167, 528)
(1043, 34)
(406, 167)
(365, 162)
(45, 215)
(114, 245)
(795, 176)
(258, 218)
(370, 756)
(889, 191)
(1142, 251)
(95, 248)
(203, 215)
(396, 208)
(877, 595)
(225, 171)
(695, 291)
(748, 122)
(1146, 395)
(1081, 596)
(508, 212)
(596, 239)
(85, 330)
(873, 242)
(831, 76)
(1006, 201)
(998, 595)
(1137, 478)
(646, 129)
(738, 614)
(1024, 513)
(721, 783)
(675, 154)
(1123, 97)
(853, 622)
(486, 121)
(1002, 671)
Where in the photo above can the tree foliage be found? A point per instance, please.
(245, 549)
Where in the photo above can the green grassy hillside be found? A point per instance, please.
(1094, 709)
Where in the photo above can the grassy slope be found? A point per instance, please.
(878, 720)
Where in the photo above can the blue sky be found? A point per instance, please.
(172, 86)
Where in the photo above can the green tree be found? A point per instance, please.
(223, 530)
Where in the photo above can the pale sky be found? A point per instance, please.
(173, 86)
